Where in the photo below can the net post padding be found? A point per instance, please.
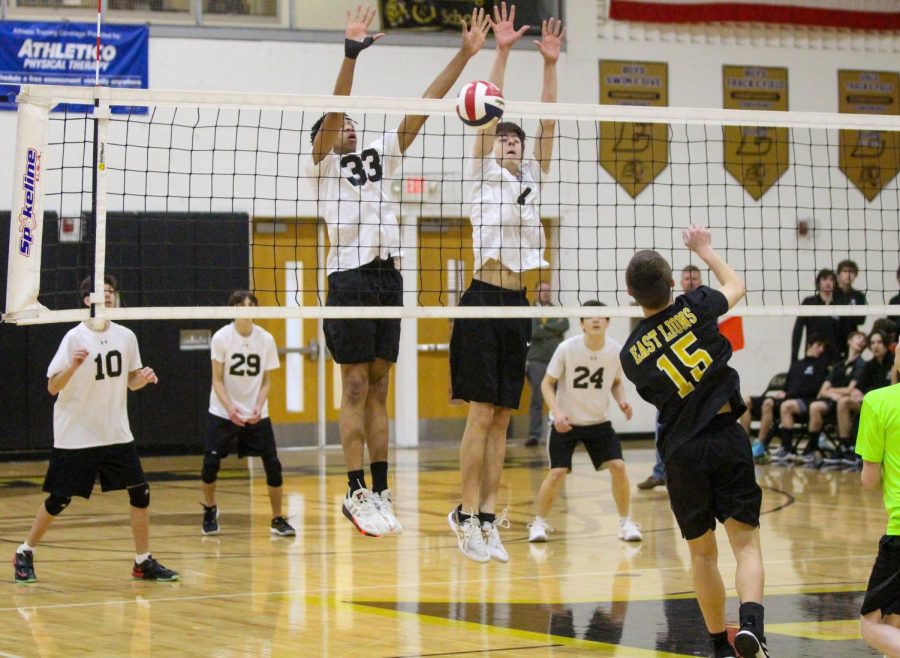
(27, 216)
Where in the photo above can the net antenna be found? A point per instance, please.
(205, 192)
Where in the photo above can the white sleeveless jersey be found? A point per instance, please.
(506, 215)
(92, 409)
(352, 198)
(245, 359)
(585, 378)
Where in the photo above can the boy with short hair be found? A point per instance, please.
(678, 360)
(583, 374)
(878, 444)
(243, 354)
(97, 363)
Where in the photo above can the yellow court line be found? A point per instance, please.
(841, 629)
(531, 636)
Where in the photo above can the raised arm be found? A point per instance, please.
(505, 36)
(552, 35)
(356, 40)
(699, 240)
(474, 32)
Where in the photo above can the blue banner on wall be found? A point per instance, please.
(65, 54)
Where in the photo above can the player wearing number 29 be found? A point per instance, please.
(678, 361)
(243, 355)
(96, 365)
(362, 266)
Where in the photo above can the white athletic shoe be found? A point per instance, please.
(360, 508)
(538, 529)
(384, 503)
(629, 530)
(492, 538)
(469, 537)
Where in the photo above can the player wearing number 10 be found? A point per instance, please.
(678, 361)
(96, 365)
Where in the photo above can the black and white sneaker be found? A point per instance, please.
(210, 519)
(749, 645)
(24, 563)
(282, 528)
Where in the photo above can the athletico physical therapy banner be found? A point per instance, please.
(854, 14)
(65, 54)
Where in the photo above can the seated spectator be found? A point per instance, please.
(895, 301)
(889, 328)
(845, 293)
(839, 388)
(804, 380)
(828, 327)
(877, 373)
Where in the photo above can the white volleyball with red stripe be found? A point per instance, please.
(480, 104)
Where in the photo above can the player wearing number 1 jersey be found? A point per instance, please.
(586, 372)
(678, 360)
(96, 365)
(243, 355)
(362, 266)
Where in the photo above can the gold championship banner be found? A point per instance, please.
(868, 157)
(448, 14)
(634, 154)
(755, 155)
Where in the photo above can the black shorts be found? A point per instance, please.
(599, 440)
(711, 477)
(830, 406)
(377, 283)
(256, 440)
(883, 591)
(756, 403)
(73, 472)
(487, 355)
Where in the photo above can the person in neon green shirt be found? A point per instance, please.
(878, 443)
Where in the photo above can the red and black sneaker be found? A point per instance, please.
(150, 569)
(24, 562)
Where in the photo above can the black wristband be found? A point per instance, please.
(353, 48)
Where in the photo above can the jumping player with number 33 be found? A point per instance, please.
(362, 265)
(678, 360)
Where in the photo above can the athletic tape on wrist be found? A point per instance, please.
(353, 48)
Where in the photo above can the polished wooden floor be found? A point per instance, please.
(333, 592)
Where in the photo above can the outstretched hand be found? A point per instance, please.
(505, 33)
(474, 32)
(552, 34)
(696, 237)
(358, 28)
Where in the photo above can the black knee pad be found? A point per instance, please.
(211, 464)
(56, 504)
(140, 496)
(273, 470)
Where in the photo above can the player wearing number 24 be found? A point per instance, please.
(678, 361)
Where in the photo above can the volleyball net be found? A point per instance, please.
(186, 196)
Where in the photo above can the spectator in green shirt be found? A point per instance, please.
(878, 443)
(546, 335)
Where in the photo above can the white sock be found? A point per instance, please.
(25, 547)
(540, 518)
(624, 519)
(139, 559)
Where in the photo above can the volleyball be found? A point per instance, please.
(480, 104)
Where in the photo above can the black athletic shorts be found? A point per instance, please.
(487, 355)
(377, 283)
(73, 472)
(711, 477)
(883, 592)
(599, 440)
(830, 406)
(256, 440)
(756, 403)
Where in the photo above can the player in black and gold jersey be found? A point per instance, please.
(678, 360)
